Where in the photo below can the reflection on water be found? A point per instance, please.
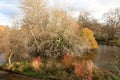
(2, 58)
(107, 57)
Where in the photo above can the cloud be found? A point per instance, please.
(95, 7)
(9, 8)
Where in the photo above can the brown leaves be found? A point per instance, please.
(36, 63)
(67, 60)
(79, 69)
(84, 69)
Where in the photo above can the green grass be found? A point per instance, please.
(118, 42)
(32, 73)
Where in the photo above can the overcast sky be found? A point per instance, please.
(9, 8)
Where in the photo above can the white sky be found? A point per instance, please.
(9, 8)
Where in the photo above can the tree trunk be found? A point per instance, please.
(9, 57)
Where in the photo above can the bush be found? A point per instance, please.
(55, 44)
(67, 60)
(80, 70)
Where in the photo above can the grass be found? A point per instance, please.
(31, 73)
(115, 42)
(118, 42)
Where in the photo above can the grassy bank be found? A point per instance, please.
(115, 42)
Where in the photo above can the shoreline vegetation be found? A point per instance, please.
(58, 72)
(114, 42)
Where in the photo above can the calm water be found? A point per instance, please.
(2, 59)
(107, 56)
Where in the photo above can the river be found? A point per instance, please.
(2, 58)
(107, 57)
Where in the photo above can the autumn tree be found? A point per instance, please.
(61, 35)
(89, 39)
(12, 44)
(57, 36)
(53, 34)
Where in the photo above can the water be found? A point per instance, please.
(2, 58)
(108, 57)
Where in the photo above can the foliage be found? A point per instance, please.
(68, 60)
(79, 70)
(88, 37)
(36, 63)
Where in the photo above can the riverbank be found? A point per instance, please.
(56, 72)
(115, 42)
(13, 76)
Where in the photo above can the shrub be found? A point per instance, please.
(67, 60)
(36, 63)
(79, 70)
(88, 37)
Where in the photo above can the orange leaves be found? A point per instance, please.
(79, 69)
(84, 69)
(67, 60)
(36, 63)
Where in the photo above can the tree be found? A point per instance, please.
(12, 44)
(112, 19)
(84, 19)
(56, 37)
(35, 17)
(35, 13)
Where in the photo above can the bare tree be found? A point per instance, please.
(112, 19)
(35, 13)
(84, 19)
(56, 36)
(13, 44)
(36, 16)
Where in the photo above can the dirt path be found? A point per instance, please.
(12, 76)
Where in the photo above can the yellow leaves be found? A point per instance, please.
(88, 37)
